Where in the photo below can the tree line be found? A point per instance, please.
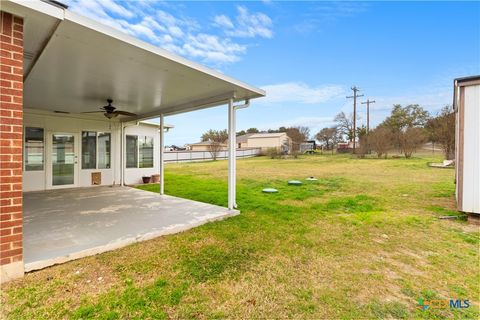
(405, 130)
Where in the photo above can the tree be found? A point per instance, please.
(401, 118)
(298, 135)
(410, 139)
(327, 137)
(344, 125)
(241, 133)
(441, 129)
(380, 140)
(252, 130)
(216, 138)
(363, 147)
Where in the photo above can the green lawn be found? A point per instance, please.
(364, 241)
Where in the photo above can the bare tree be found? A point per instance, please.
(298, 136)
(344, 125)
(441, 129)
(327, 137)
(410, 139)
(216, 139)
(380, 140)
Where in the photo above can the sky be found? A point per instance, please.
(307, 55)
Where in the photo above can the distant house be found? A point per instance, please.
(242, 141)
(264, 140)
(203, 146)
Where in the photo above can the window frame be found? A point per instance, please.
(138, 136)
(96, 149)
(24, 148)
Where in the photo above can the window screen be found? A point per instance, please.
(131, 149)
(103, 150)
(34, 149)
(89, 150)
(145, 152)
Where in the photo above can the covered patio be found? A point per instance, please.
(61, 69)
(67, 224)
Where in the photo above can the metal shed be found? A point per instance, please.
(467, 142)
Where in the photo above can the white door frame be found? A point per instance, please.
(48, 158)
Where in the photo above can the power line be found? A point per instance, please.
(368, 102)
(355, 96)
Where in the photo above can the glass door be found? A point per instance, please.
(63, 159)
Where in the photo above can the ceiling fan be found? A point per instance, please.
(110, 111)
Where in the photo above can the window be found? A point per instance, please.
(132, 151)
(89, 150)
(34, 153)
(145, 152)
(103, 150)
(95, 150)
(139, 151)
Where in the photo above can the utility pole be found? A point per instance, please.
(355, 96)
(368, 102)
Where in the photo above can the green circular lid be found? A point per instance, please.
(294, 182)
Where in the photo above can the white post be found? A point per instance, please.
(162, 149)
(231, 156)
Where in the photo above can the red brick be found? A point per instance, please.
(5, 53)
(12, 121)
(10, 62)
(10, 135)
(6, 232)
(11, 253)
(5, 98)
(5, 39)
(11, 238)
(18, 28)
(10, 194)
(11, 209)
(7, 22)
(10, 76)
(5, 261)
(12, 106)
(12, 92)
(6, 69)
(5, 217)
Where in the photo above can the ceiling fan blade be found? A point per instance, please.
(124, 113)
(94, 111)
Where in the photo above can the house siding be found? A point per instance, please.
(11, 116)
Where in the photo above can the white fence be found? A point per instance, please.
(187, 156)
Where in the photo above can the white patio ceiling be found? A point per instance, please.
(74, 64)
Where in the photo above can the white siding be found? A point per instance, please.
(471, 157)
(53, 123)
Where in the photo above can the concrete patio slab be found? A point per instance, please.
(67, 224)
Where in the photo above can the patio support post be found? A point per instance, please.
(162, 150)
(231, 156)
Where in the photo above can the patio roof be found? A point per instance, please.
(73, 64)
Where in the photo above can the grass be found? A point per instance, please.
(364, 241)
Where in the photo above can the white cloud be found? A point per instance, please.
(179, 34)
(247, 25)
(297, 92)
(223, 21)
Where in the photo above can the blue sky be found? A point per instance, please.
(307, 55)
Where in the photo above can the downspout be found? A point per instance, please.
(232, 153)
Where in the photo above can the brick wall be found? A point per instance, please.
(11, 133)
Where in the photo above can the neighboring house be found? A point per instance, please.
(57, 64)
(265, 141)
(203, 146)
(467, 145)
(242, 141)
